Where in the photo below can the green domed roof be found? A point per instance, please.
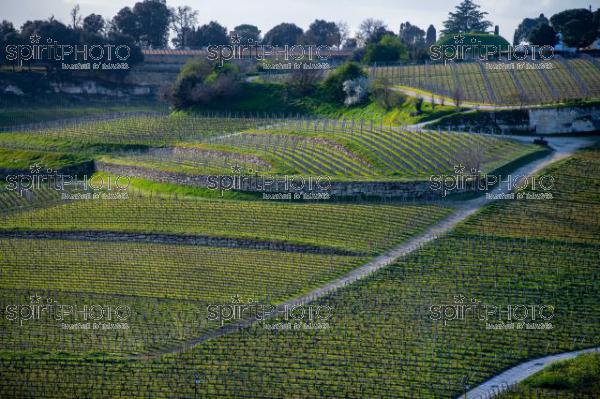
(472, 39)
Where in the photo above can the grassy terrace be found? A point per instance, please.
(576, 197)
(24, 159)
(383, 340)
(138, 131)
(11, 201)
(342, 149)
(168, 287)
(361, 228)
(18, 115)
(370, 153)
(169, 271)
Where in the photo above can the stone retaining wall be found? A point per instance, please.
(318, 184)
(564, 120)
(546, 121)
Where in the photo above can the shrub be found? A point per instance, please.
(358, 54)
(579, 375)
(304, 81)
(419, 104)
(333, 86)
(390, 48)
(382, 93)
(199, 82)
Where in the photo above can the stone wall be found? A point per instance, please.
(546, 121)
(405, 190)
(90, 87)
(150, 80)
(564, 120)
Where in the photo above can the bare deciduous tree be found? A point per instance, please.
(383, 93)
(304, 80)
(470, 161)
(367, 28)
(344, 31)
(183, 20)
(75, 16)
(457, 96)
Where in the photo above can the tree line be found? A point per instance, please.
(578, 28)
(150, 24)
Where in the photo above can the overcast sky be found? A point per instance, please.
(268, 13)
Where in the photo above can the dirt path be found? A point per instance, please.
(445, 100)
(563, 146)
(512, 376)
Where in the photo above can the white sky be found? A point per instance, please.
(268, 13)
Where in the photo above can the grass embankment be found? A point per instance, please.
(40, 161)
(266, 97)
(577, 378)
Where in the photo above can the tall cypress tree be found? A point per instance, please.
(431, 35)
